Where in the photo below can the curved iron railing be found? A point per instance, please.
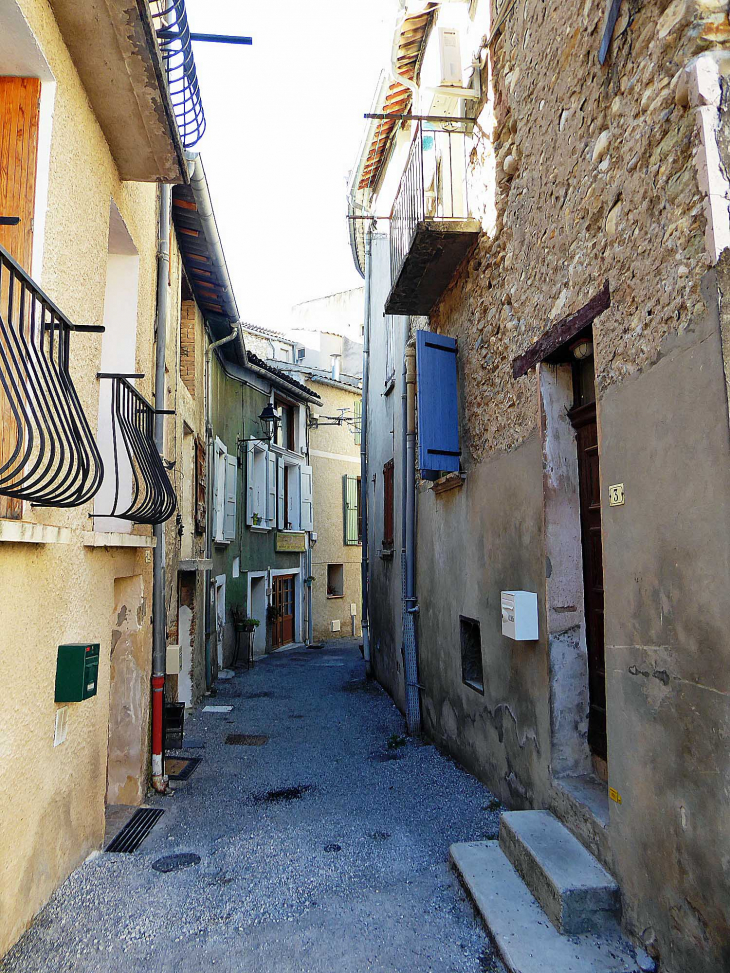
(151, 495)
(48, 455)
(173, 35)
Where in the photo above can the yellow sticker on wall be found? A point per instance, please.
(614, 795)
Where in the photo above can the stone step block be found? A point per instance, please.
(576, 893)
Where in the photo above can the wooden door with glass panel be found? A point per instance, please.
(282, 628)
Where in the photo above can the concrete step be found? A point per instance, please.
(576, 893)
(526, 940)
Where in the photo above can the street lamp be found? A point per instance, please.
(270, 419)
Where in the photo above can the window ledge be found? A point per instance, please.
(111, 538)
(389, 385)
(335, 596)
(449, 482)
(21, 532)
(386, 553)
(257, 529)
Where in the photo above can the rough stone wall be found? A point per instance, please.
(589, 175)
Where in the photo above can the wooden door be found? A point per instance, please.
(282, 631)
(19, 105)
(584, 421)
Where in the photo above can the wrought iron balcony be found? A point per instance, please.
(173, 36)
(431, 230)
(48, 455)
(142, 489)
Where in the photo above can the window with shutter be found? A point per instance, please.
(438, 406)
(305, 493)
(388, 505)
(229, 526)
(271, 491)
(280, 494)
(200, 484)
(357, 411)
(250, 488)
(219, 491)
(353, 529)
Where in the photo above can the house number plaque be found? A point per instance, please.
(616, 495)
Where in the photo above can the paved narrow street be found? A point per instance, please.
(344, 869)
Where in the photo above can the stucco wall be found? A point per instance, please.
(384, 438)
(328, 472)
(52, 799)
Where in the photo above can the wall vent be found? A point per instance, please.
(335, 625)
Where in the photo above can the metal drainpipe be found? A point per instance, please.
(159, 621)
(413, 697)
(364, 455)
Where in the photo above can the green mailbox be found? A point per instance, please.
(77, 671)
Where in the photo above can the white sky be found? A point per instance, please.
(285, 120)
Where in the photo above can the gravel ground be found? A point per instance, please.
(348, 873)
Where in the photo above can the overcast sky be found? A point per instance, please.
(285, 120)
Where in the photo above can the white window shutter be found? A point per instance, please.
(305, 494)
(271, 489)
(280, 518)
(229, 524)
(250, 492)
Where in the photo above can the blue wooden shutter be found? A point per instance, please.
(438, 405)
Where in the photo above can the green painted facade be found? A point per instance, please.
(234, 409)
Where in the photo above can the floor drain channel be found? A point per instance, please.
(135, 830)
(180, 768)
(246, 740)
(173, 863)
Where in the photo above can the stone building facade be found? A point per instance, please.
(602, 206)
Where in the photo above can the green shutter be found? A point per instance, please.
(358, 421)
(351, 509)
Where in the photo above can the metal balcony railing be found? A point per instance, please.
(48, 455)
(142, 489)
(433, 186)
(173, 36)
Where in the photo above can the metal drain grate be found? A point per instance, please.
(180, 768)
(246, 740)
(135, 830)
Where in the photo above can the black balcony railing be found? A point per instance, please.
(173, 36)
(47, 452)
(142, 489)
(433, 186)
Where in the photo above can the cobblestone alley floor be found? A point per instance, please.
(344, 870)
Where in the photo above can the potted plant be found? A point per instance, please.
(274, 612)
(256, 520)
(243, 622)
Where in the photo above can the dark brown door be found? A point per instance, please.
(19, 102)
(282, 631)
(583, 418)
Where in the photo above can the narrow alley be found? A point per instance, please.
(324, 849)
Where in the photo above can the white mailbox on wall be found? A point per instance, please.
(519, 615)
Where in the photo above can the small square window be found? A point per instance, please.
(335, 580)
(472, 674)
